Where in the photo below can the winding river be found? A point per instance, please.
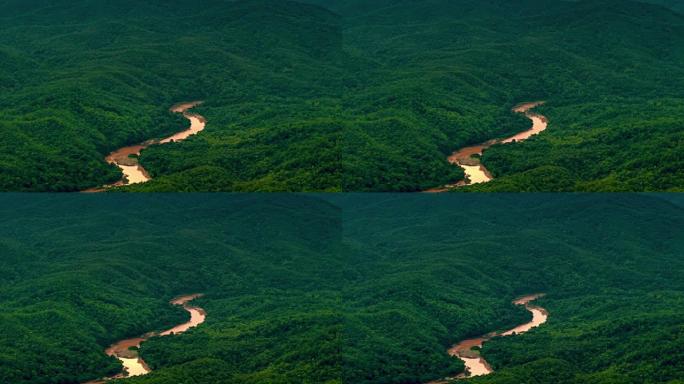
(133, 364)
(475, 364)
(126, 158)
(475, 171)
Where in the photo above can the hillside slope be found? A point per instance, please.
(448, 73)
(609, 264)
(86, 78)
(362, 96)
(341, 288)
(80, 272)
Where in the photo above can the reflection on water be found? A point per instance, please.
(134, 366)
(476, 174)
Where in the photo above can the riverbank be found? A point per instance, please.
(475, 364)
(126, 158)
(126, 351)
(475, 171)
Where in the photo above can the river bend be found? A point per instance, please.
(475, 171)
(475, 364)
(126, 158)
(126, 351)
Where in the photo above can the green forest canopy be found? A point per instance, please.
(342, 288)
(358, 96)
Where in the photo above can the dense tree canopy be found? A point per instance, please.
(342, 94)
(342, 288)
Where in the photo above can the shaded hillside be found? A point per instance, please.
(341, 288)
(92, 78)
(608, 263)
(363, 96)
(448, 72)
(80, 272)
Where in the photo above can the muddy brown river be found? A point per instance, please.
(475, 171)
(133, 364)
(126, 158)
(475, 364)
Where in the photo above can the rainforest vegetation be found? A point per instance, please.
(342, 95)
(342, 288)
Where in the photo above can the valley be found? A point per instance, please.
(126, 158)
(475, 171)
(126, 350)
(340, 288)
(325, 98)
(475, 364)
(341, 192)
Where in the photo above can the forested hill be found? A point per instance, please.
(608, 263)
(100, 269)
(342, 94)
(85, 77)
(456, 68)
(342, 288)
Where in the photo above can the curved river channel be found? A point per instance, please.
(126, 158)
(133, 364)
(475, 364)
(475, 172)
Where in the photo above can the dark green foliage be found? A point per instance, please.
(372, 97)
(615, 118)
(599, 258)
(86, 78)
(80, 272)
(649, 348)
(342, 288)
(608, 149)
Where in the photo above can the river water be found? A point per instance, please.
(475, 171)
(126, 158)
(475, 364)
(133, 364)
